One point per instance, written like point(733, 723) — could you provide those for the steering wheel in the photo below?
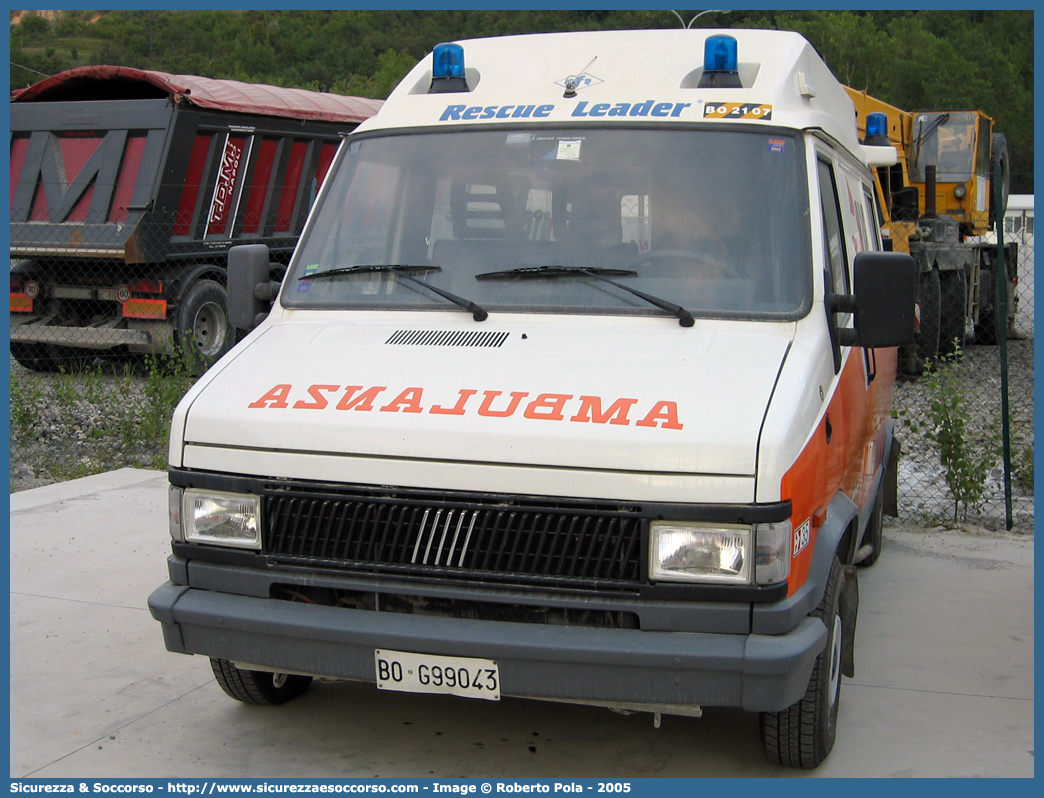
point(690, 255)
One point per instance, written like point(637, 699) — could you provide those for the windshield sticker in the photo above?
point(303, 285)
point(569, 151)
point(469, 402)
point(737, 111)
point(776, 145)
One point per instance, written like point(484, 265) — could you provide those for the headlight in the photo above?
point(959, 191)
point(221, 519)
point(684, 552)
point(719, 553)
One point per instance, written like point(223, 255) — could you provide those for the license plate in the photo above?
point(427, 673)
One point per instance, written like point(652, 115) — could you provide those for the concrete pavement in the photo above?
point(944, 683)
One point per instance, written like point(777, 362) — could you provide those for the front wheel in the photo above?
point(802, 735)
point(204, 331)
point(258, 687)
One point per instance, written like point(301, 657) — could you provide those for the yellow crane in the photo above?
point(939, 203)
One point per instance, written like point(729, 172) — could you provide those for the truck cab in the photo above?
point(577, 388)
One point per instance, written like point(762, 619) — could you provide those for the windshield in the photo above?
point(715, 221)
point(945, 140)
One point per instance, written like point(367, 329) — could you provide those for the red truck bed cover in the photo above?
point(224, 95)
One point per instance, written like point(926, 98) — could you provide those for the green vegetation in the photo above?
point(72, 425)
point(967, 453)
point(911, 59)
point(1024, 466)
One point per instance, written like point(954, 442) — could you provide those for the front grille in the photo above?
point(494, 540)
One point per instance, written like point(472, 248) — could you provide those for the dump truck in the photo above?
point(129, 186)
point(940, 203)
point(577, 388)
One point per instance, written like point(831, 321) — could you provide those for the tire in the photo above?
point(929, 299)
point(874, 533)
point(986, 331)
point(258, 687)
point(953, 304)
point(52, 359)
point(1001, 156)
point(70, 359)
point(802, 735)
point(204, 331)
point(32, 356)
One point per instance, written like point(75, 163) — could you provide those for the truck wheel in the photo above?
point(953, 303)
point(70, 359)
point(31, 356)
point(802, 735)
point(1003, 157)
point(874, 534)
point(258, 687)
point(988, 330)
point(204, 331)
point(929, 300)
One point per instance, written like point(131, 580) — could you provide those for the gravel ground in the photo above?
point(923, 493)
point(62, 428)
point(67, 427)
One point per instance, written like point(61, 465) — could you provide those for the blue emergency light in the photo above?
point(877, 129)
point(720, 63)
point(447, 69)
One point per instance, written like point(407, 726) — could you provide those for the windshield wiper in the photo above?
point(685, 318)
point(925, 133)
point(403, 271)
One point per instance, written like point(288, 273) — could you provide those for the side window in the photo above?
point(870, 219)
point(833, 232)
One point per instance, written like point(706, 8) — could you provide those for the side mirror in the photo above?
point(249, 289)
point(883, 305)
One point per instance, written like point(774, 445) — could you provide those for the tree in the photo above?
point(912, 59)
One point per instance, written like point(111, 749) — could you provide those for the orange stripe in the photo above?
point(856, 417)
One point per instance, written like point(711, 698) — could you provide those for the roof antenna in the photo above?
point(574, 80)
point(709, 11)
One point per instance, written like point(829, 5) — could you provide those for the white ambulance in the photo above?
point(577, 388)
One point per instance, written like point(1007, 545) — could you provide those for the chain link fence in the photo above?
point(111, 320)
point(98, 318)
point(88, 293)
point(950, 392)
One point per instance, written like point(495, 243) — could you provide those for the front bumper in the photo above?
point(612, 667)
